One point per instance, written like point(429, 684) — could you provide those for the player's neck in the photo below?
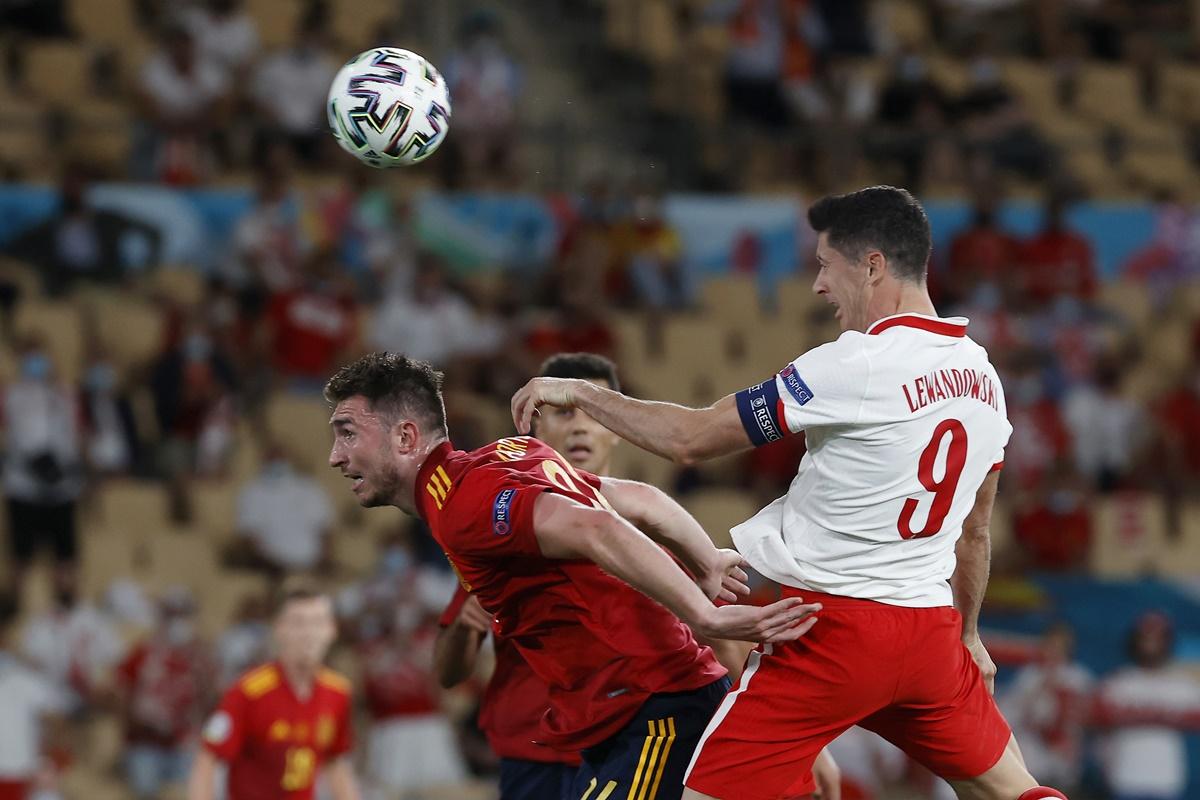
point(905, 298)
point(301, 677)
point(406, 499)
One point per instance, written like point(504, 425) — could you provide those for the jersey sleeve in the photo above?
point(825, 386)
point(225, 731)
point(492, 516)
point(450, 612)
point(997, 461)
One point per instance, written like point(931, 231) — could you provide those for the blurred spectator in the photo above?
point(1172, 256)
point(74, 644)
point(226, 36)
point(434, 323)
point(411, 745)
point(109, 427)
point(995, 124)
point(82, 243)
point(165, 684)
point(29, 704)
point(1056, 532)
point(761, 34)
point(1047, 706)
point(283, 518)
point(982, 252)
point(268, 244)
point(1177, 437)
point(578, 325)
point(35, 17)
point(1108, 430)
point(314, 326)
point(290, 88)
point(653, 255)
point(1057, 261)
point(1147, 706)
point(43, 467)
point(1040, 438)
point(372, 232)
point(911, 115)
point(485, 84)
point(192, 383)
point(246, 641)
point(869, 763)
point(183, 99)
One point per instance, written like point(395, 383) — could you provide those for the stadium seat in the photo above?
point(214, 504)
point(1109, 93)
point(1181, 91)
point(180, 557)
point(220, 597)
point(732, 299)
point(1128, 300)
point(1181, 557)
point(58, 325)
point(276, 21)
point(718, 510)
point(131, 505)
point(180, 283)
point(1129, 535)
point(301, 422)
point(59, 71)
point(130, 330)
point(106, 554)
point(108, 22)
point(355, 550)
point(637, 464)
point(1032, 81)
point(355, 22)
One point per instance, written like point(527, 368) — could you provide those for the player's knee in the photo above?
point(1042, 793)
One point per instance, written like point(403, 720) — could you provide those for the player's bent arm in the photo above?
point(684, 435)
point(569, 530)
point(455, 652)
point(662, 519)
point(202, 782)
point(342, 784)
point(974, 554)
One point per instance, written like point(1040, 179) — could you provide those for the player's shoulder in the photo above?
point(334, 681)
point(259, 681)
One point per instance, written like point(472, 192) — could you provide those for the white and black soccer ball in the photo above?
point(389, 107)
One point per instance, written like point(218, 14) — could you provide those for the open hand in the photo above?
point(538, 392)
point(782, 621)
point(726, 577)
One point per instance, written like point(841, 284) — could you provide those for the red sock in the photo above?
point(1042, 793)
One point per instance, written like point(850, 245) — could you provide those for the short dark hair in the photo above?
point(293, 592)
point(588, 366)
point(888, 219)
point(394, 385)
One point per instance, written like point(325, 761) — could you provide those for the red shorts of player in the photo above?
point(14, 790)
point(900, 672)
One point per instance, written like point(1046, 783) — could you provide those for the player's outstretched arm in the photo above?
point(969, 582)
point(202, 782)
point(655, 513)
point(684, 435)
point(567, 529)
point(456, 648)
point(342, 784)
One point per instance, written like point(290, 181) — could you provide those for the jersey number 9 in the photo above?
point(943, 490)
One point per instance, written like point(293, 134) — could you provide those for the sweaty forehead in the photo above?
point(354, 411)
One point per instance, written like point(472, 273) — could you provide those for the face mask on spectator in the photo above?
point(277, 468)
point(101, 377)
point(35, 367)
point(180, 631)
point(197, 347)
point(395, 560)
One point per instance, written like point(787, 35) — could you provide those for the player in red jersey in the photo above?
point(553, 560)
point(283, 721)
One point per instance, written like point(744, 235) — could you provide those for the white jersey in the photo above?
point(903, 423)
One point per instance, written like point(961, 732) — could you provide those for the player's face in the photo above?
point(304, 631)
point(586, 443)
point(843, 284)
point(363, 451)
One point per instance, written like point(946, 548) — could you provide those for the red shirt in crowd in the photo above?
point(510, 714)
point(1058, 262)
point(1179, 414)
point(601, 647)
point(1055, 541)
point(165, 687)
point(310, 330)
point(984, 253)
point(398, 676)
point(273, 740)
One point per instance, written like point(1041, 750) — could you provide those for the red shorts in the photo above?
point(14, 790)
point(900, 672)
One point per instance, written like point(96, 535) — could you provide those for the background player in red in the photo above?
point(553, 559)
point(284, 721)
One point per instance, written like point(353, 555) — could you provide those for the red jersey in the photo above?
point(273, 741)
point(310, 329)
point(601, 646)
point(397, 676)
point(1058, 263)
point(166, 687)
point(514, 702)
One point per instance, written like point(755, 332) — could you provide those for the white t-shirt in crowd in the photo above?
point(81, 644)
point(25, 697)
point(178, 95)
point(294, 87)
point(287, 515)
point(228, 42)
point(902, 425)
point(435, 332)
point(1148, 760)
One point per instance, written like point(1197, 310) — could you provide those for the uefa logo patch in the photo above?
point(795, 385)
point(501, 510)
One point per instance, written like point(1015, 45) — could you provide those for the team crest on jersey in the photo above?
point(501, 511)
point(795, 385)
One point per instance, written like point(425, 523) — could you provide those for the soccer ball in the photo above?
point(389, 107)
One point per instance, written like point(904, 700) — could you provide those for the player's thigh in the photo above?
point(944, 717)
point(534, 780)
point(1007, 779)
point(790, 702)
point(647, 759)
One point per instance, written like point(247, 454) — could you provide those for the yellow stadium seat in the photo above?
point(181, 284)
point(718, 510)
point(130, 330)
point(23, 276)
point(637, 464)
point(355, 22)
point(1181, 557)
point(1129, 535)
point(109, 22)
point(1109, 92)
point(1128, 299)
point(732, 299)
point(220, 596)
point(133, 506)
point(106, 554)
point(180, 557)
point(57, 324)
point(1181, 91)
point(301, 423)
point(276, 21)
point(355, 550)
point(1032, 81)
point(214, 505)
point(59, 71)
point(658, 37)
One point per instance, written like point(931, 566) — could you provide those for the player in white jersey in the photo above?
point(885, 524)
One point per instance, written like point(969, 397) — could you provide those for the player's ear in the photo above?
point(877, 267)
point(405, 435)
